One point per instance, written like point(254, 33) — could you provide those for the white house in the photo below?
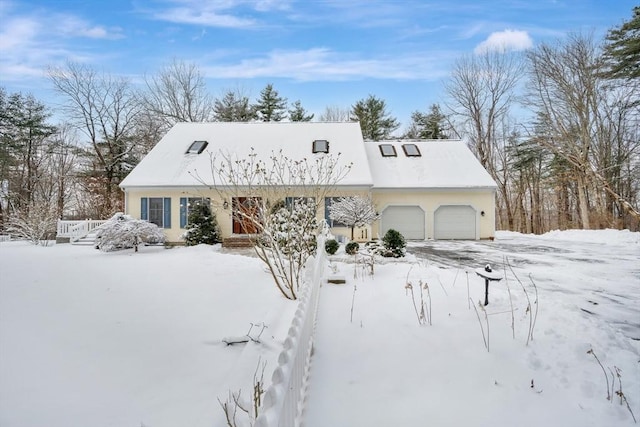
point(424, 189)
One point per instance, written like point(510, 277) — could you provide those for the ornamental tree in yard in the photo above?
point(124, 232)
point(281, 199)
point(354, 211)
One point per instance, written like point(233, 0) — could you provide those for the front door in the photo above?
point(245, 214)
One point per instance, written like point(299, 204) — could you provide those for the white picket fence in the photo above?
point(284, 398)
point(76, 230)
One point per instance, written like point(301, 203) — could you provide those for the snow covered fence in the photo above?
point(283, 401)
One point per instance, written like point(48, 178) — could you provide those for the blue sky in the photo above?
point(322, 52)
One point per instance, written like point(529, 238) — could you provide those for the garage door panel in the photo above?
point(408, 220)
point(455, 222)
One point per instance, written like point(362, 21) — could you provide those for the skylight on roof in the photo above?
point(320, 146)
point(411, 150)
point(388, 150)
point(197, 147)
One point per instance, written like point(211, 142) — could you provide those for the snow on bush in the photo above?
point(331, 246)
point(394, 244)
point(294, 228)
point(202, 226)
point(124, 232)
point(37, 225)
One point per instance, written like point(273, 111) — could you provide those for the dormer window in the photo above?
point(411, 150)
point(387, 150)
point(197, 147)
point(320, 146)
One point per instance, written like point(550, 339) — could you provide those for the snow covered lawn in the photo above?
point(122, 339)
point(384, 369)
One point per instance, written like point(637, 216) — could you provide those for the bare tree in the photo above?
point(283, 234)
point(334, 113)
point(62, 166)
point(481, 92)
point(565, 85)
point(177, 93)
point(104, 109)
point(355, 211)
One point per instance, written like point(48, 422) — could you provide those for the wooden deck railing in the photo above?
point(76, 230)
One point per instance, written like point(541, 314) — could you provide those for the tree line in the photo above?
point(575, 164)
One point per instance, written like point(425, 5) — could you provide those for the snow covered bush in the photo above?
point(352, 248)
point(37, 225)
point(124, 232)
point(394, 244)
point(295, 228)
point(331, 246)
point(202, 226)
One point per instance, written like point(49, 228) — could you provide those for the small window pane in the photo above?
point(388, 150)
point(320, 146)
point(411, 150)
point(197, 147)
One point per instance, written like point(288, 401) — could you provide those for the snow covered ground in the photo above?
point(123, 339)
point(384, 369)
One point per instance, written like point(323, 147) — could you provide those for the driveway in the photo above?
point(583, 270)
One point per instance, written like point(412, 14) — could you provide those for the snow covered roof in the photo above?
point(435, 164)
point(173, 161)
point(183, 154)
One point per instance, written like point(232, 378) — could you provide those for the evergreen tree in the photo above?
point(202, 226)
point(375, 122)
point(271, 107)
point(23, 136)
point(622, 49)
point(431, 125)
point(297, 113)
point(233, 107)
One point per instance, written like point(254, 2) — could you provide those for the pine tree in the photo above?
point(271, 107)
point(233, 107)
point(375, 122)
point(202, 226)
point(431, 125)
point(297, 113)
point(622, 49)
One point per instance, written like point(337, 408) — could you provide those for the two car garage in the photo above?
point(449, 222)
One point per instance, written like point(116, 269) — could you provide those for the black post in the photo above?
point(486, 291)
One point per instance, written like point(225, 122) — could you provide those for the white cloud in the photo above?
point(31, 41)
point(504, 41)
point(322, 64)
point(206, 16)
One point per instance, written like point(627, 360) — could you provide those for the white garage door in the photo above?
point(408, 220)
point(455, 222)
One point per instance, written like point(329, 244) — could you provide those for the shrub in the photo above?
point(202, 226)
point(352, 248)
point(331, 246)
point(394, 244)
point(124, 232)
